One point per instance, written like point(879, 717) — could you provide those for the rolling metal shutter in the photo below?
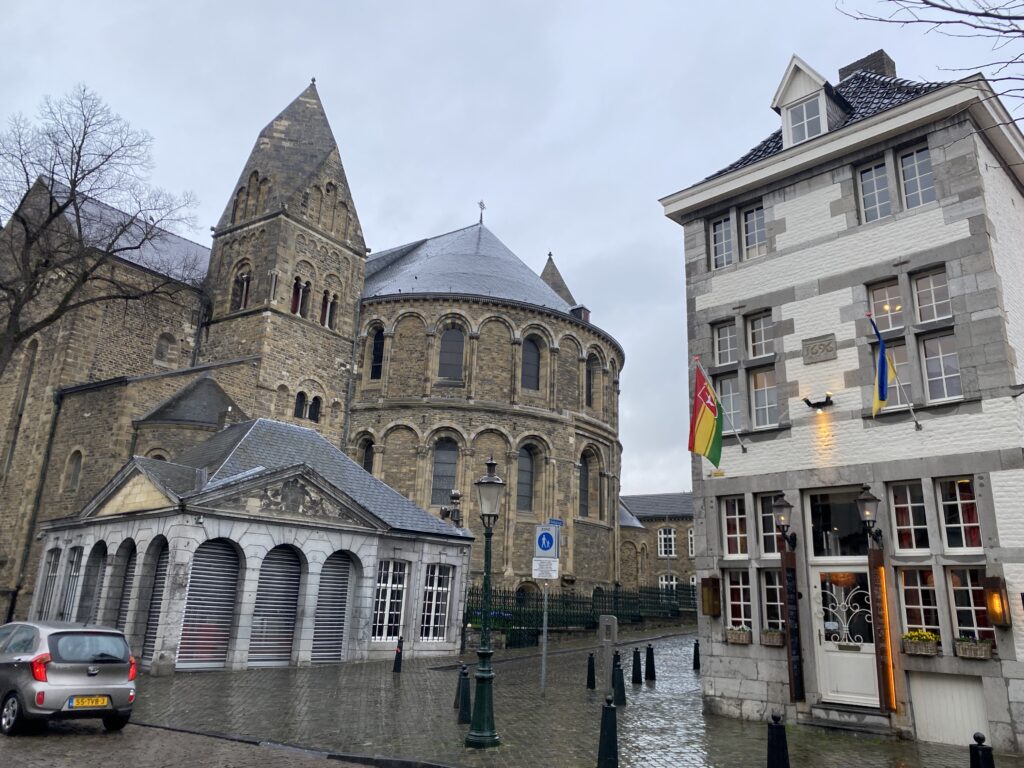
point(273, 614)
point(329, 629)
point(156, 600)
point(209, 607)
point(126, 591)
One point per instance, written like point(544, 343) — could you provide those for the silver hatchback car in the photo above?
point(58, 670)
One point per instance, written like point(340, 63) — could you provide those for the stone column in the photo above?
point(305, 620)
point(238, 651)
point(427, 374)
point(553, 378)
point(172, 609)
point(474, 348)
point(512, 470)
point(378, 460)
point(581, 383)
point(389, 337)
point(424, 475)
point(517, 382)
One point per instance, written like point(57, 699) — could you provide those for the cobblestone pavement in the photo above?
point(362, 709)
point(84, 744)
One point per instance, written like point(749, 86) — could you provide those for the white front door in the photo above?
point(843, 635)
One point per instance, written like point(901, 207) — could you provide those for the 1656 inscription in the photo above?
point(819, 349)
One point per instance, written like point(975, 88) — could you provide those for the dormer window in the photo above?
point(805, 120)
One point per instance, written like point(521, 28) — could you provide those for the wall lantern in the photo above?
point(867, 507)
point(997, 603)
point(711, 596)
point(819, 405)
point(782, 511)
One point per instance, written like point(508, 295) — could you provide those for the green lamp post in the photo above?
point(481, 734)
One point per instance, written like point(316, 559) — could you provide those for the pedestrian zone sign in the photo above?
point(546, 541)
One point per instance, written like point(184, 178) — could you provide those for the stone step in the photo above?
point(848, 718)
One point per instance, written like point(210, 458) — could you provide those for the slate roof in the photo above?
point(660, 505)
point(176, 478)
point(627, 519)
point(867, 93)
point(469, 261)
point(201, 402)
point(267, 444)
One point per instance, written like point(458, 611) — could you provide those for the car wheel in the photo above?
point(11, 717)
point(116, 722)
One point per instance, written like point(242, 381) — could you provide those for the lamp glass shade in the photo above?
point(997, 602)
point(489, 489)
point(782, 511)
point(867, 506)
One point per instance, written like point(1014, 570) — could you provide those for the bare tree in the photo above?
point(83, 223)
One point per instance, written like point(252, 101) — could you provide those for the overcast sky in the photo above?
point(570, 119)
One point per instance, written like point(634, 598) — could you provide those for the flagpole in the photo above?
point(910, 405)
point(711, 384)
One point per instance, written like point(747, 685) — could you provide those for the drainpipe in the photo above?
point(58, 401)
point(351, 377)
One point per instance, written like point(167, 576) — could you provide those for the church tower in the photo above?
point(286, 271)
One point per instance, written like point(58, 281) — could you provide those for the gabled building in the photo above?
point(665, 556)
point(903, 200)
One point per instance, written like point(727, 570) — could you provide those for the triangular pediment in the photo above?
point(137, 494)
point(799, 82)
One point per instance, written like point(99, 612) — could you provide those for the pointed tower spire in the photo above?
point(553, 278)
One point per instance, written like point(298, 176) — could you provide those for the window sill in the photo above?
point(454, 383)
point(718, 370)
point(761, 361)
point(745, 433)
point(934, 326)
point(902, 413)
point(668, 557)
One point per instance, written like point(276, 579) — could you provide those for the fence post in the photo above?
point(649, 673)
point(465, 707)
point(696, 655)
point(608, 746)
point(591, 673)
point(619, 685)
point(638, 678)
point(981, 754)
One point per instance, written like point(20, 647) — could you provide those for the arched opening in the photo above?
point(314, 409)
point(73, 471)
point(332, 609)
point(377, 354)
point(296, 295)
point(92, 584)
point(584, 507)
point(366, 455)
point(332, 313)
point(156, 577)
point(164, 348)
point(300, 406)
point(71, 578)
point(325, 308)
point(530, 377)
point(593, 376)
point(275, 608)
point(240, 288)
point(525, 479)
point(48, 584)
point(450, 359)
point(209, 617)
point(307, 289)
point(446, 460)
point(125, 565)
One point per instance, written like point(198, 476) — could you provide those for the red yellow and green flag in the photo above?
point(706, 419)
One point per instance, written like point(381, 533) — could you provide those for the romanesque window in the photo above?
point(388, 600)
point(164, 348)
point(240, 288)
point(446, 459)
point(300, 297)
point(585, 486)
point(314, 409)
point(73, 471)
point(325, 308)
point(367, 457)
point(377, 354)
point(450, 360)
point(300, 406)
point(593, 375)
point(525, 479)
point(436, 597)
point(238, 210)
point(531, 364)
point(332, 313)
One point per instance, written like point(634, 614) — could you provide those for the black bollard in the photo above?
point(696, 655)
point(591, 675)
point(465, 709)
point(458, 687)
point(616, 660)
point(638, 678)
point(608, 746)
point(397, 667)
point(619, 686)
point(649, 667)
point(778, 748)
point(981, 755)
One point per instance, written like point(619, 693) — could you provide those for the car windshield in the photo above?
point(88, 648)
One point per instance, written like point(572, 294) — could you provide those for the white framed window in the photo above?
point(759, 335)
point(967, 595)
point(887, 306)
point(721, 243)
point(920, 604)
point(763, 398)
point(755, 237)
point(668, 581)
point(773, 599)
point(910, 523)
point(693, 580)
point(388, 600)
point(959, 509)
point(875, 202)
point(918, 181)
point(897, 352)
point(726, 348)
point(728, 388)
point(766, 525)
point(437, 589)
point(734, 526)
point(941, 368)
point(666, 542)
point(805, 120)
point(737, 593)
point(931, 292)
point(689, 543)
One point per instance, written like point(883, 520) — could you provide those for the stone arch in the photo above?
point(282, 402)
point(152, 582)
point(406, 380)
point(589, 500)
point(166, 348)
point(497, 319)
point(264, 193)
point(361, 448)
point(629, 565)
point(494, 361)
point(407, 313)
point(240, 285)
point(527, 587)
point(72, 475)
point(401, 444)
point(252, 194)
point(316, 204)
point(593, 382)
point(569, 352)
point(538, 329)
point(238, 207)
point(451, 351)
point(157, 454)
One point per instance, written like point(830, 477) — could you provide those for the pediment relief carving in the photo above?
point(293, 497)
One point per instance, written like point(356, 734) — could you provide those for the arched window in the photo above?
point(73, 471)
point(332, 313)
point(240, 289)
point(525, 478)
point(307, 289)
point(450, 364)
point(531, 364)
point(158, 457)
point(238, 211)
point(446, 459)
point(325, 308)
point(314, 409)
point(585, 486)
point(377, 354)
point(296, 295)
point(300, 405)
point(164, 348)
point(593, 366)
point(367, 458)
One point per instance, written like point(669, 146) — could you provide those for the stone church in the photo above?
point(418, 363)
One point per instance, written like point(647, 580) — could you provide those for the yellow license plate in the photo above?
point(83, 702)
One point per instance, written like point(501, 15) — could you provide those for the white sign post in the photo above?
point(545, 567)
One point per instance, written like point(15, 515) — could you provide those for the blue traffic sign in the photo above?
point(545, 541)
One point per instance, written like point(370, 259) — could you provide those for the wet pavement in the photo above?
point(365, 710)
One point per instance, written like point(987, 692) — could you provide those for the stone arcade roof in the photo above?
point(470, 261)
point(262, 444)
point(867, 93)
point(660, 506)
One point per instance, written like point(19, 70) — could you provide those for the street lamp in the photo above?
point(453, 511)
point(489, 489)
point(781, 511)
point(867, 507)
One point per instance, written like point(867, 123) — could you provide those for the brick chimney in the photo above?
point(877, 62)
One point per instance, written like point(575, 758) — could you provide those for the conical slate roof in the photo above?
point(553, 278)
point(470, 261)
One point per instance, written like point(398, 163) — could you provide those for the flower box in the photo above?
point(775, 638)
point(738, 636)
point(969, 649)
point(920, 647)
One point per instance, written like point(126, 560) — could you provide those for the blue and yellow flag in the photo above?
point(884, 372)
